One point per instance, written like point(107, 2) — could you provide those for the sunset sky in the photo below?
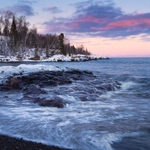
point(113, 28)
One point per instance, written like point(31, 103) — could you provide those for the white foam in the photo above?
point(68, 98)
point(65, 123)
point(108, 139)
point(61, 127)
point(126, 85)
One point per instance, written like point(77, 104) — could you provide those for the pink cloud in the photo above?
point(73, 25)
point(128, 23)
point(86, 19)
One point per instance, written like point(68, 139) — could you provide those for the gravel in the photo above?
point(10, 143)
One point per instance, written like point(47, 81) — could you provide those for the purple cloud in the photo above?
point(52, 9)
point(101, 19)
point(22, 7)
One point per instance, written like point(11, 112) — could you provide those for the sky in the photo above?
point(112, 28)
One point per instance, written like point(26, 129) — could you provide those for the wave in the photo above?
point(71, 108)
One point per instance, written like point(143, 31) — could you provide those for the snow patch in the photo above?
point(6, 71)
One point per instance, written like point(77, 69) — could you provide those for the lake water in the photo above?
point(117, 119)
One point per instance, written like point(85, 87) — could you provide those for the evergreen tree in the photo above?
point(47, 51)
point(13, 34)
point(61, 44)
point(6, 30)
point(74, 49)
point(1, 24)
point(36, 56)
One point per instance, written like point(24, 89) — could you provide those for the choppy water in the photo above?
point(118, 119)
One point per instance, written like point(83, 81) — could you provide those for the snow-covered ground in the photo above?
point(78, 57)
point(55, 58)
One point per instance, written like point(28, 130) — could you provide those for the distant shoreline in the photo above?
point(46, 61)
point(56, 58)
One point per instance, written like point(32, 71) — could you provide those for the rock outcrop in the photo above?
point(36, 86)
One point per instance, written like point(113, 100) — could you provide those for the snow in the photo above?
point(54, 58)
point(6, 71)
point(78, 57)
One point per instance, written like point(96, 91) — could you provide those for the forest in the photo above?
point(18, 39)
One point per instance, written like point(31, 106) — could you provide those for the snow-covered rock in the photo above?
point(79, 57)
point(54, 58)
point(6, 71)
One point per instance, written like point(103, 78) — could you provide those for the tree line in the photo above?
point(17, 39)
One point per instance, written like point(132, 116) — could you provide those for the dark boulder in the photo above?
point(53, 102)
point(85, 99)
point(5, 88)
point(33, 89)
point(74, 71)
point(13, 82)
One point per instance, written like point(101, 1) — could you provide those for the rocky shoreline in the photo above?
point(44, 87)
point(10, 143)
point(54, 83)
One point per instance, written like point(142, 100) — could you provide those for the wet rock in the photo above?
point(5, 97)
point(109, 87)
point(33, 89)
point(50, 83)
point(54, 102)
point(88, 72)
point(80, 84)
point(14, 82)
point(16, 74)
point(5, 88)
point(64, 81)
point(43, 77)
point(74, 71)
point(85, 99)
point(101, 88)
point(10, 143)
point(117, 87)
point(75, 77)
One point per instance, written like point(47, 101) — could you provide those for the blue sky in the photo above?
point(105, 27)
